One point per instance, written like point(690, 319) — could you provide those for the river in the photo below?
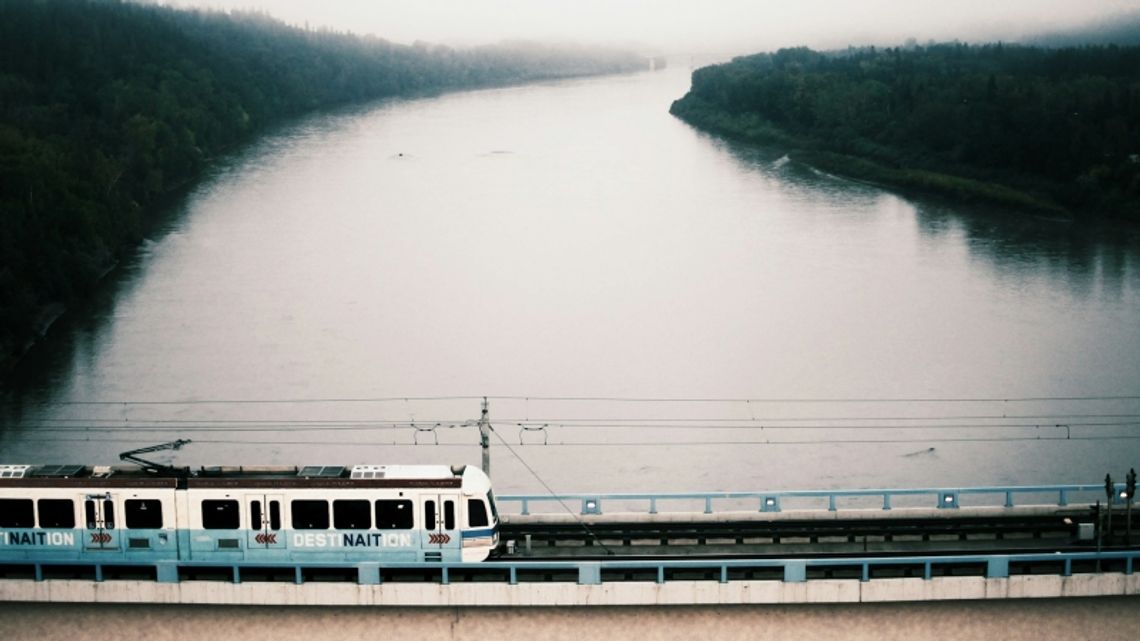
point(647, 307)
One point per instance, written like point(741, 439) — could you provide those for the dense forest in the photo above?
point(107, 107)
point(1053, 130)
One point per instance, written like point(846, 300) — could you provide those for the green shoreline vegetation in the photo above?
point(108, 109)
point(1051, 131)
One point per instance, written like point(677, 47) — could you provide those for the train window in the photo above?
point(275, 515)
point(477, 513)
point(394, 515)
point(108, 514)
point(17, 513)
point(59, 513)
point(144, 514)
point(255, 521)
point(491, 500)
point(352, 515)
point(449, 515)
point(220, 515)
point(310, 515)
point(429, 516)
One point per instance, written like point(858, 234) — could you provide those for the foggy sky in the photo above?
point(679, 26)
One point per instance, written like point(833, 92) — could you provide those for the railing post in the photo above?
point(1064, 498)
point(708, 505)
point(1009, 498)
point(368, 574)
point(866, 576)
point(590, 573)
point(237, 574)
point(444, 577)
point(98, 573)
point(926, 571)
point(795, 571)
point(831, 503)
point(886, 501)
point(525, 507)
point(298, 576)
point(653, 505)
point(514, 575)
point(39, 572)
point(661, 574)
point(997, 567)
point(166, 572)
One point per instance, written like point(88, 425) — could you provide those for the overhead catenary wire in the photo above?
point(550, 490)
point(902, 399)
point(367, 426)
point(255, 401)
point(595, 399)
point(657, 443)
point(1077, 426)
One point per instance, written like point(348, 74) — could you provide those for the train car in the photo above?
point(364, 513)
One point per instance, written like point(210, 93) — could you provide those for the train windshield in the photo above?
point(494, 509)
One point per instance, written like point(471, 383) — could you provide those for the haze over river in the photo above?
point(572, 240)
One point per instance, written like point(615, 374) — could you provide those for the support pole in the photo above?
point(1099, 533)
point(1129, 493)
point(1110, 490)
point(485, 438)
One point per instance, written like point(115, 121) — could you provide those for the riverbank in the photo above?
point(125, 105)
point(750, 129)
point(1052, 132)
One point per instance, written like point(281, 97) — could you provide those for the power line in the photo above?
point(551, 491)
point(540, 419)
point(628, 444)
point(758, 426)
point(632, 399)
point(178, 423)
point(79, 425)
point(594, 399)
point(259, 401)
point(755, 419)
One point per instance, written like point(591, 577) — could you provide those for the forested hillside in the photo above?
point(1047, 129)
point(107, 106)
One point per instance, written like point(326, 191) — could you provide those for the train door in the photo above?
point(264, 522)
point(100, 522)
point(440, 522)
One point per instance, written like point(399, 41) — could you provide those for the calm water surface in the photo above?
point(321, 293)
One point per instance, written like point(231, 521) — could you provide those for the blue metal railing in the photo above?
point(594, 572)
point(944, 498)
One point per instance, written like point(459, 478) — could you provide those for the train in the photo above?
point(236, 514)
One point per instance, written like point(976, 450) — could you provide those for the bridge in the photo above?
point(859, 546)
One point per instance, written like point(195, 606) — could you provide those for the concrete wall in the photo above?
point(1102, 619)
point(677, 593)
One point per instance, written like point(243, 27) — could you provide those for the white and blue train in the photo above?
point(365, 513)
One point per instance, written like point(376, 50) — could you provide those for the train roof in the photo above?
point(309, 476)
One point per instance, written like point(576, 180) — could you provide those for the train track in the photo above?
point(791, 538)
